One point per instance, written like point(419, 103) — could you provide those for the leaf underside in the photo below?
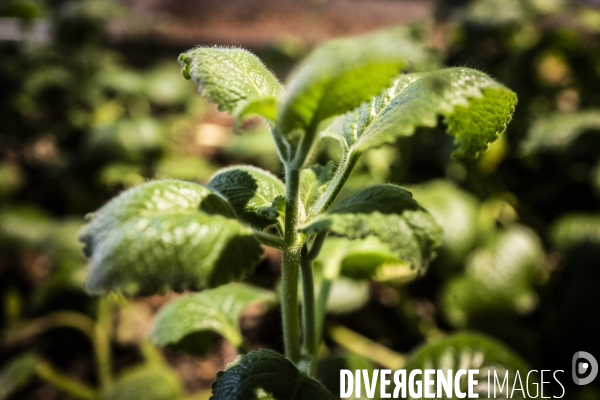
point(266, 374)
point(166, 235)
point(215, 310)
point(476, 110)
point(388, 213)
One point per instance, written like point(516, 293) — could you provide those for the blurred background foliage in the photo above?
point(92, 102)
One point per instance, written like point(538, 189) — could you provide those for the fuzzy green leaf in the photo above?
point(212, 311)
point(559, 131)
point(389, 213)
point(343, 73)
point(265, 374)
point(235, 79)
point(457, 212)
point(498, 277)
point(476, 110)
point(251, 192)
point(152, 382)
point(164, 235)
point(576, 229)
point(470, 351)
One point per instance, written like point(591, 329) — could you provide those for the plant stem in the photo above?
point(310, 340)
point(95, 332)
point(102, 343)
point(367, 348)
point(291, 264)
point(342, 173)
point(62, 382)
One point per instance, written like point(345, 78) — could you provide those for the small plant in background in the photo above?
point(173, 235)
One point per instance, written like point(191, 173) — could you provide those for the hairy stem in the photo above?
point(310, 339)
point(64, 383)
point(291, 265)
point(342, 173)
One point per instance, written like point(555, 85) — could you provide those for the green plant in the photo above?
point(174, 235)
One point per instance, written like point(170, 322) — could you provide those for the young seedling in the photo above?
point(173, 235)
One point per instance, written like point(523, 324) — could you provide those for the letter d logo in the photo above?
point(581, 368)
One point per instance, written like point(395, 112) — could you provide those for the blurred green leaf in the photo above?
point(164, 86)
point(456, 211)
point(266, 374)
point(188, 168)
point(470, 351)
point(251, 192)
point(559, 131)
point(215, 310)
point(496, 12)
point(498, 277)
point(165, 235)
point(24, 227)
point(11, 179)
point(148, 382)
point(341, 74)
point(575, 229)
point(389, 213)
point(16, 374)
point(476, 110)
point(127, 140)
point(255, 145)
point(235, 79)
point(347, 295)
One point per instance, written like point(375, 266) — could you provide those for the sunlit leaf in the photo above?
point(476, 110)
point(193, 318)
point(456, 211)
point(559, 131)
point(233, 78)
point(498, 277)
point(388, 213)
point(251, 192)
point(166, 235)
point(574, 229)
point(471, 351)
point(343, 73)
point(266, 374)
